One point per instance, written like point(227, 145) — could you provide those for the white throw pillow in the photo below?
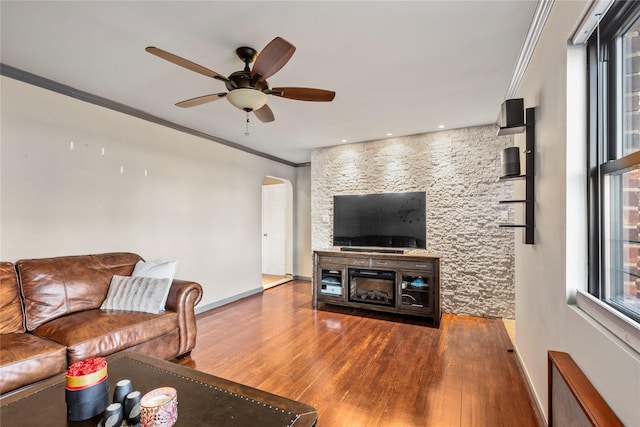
point(159, 271)
point(145, 294)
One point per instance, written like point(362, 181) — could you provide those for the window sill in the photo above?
point(622, 327)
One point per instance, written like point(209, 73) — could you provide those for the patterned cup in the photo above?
point(159, 408)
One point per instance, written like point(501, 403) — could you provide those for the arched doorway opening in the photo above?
point(277, 231)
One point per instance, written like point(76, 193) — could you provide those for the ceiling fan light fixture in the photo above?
point(247, 99)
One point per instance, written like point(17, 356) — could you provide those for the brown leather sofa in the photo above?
point(50, 316)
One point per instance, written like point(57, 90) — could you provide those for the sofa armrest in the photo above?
point(183, 297)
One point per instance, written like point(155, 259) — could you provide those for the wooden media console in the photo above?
point(403, 283)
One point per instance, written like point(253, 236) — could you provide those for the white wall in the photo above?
point(302, 200)
point(548, 272)
point(200, 202)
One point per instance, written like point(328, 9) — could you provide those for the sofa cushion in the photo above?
point(137, 294)
point(98, 332)
point(54, 287)
point(25, 359)
point(11, 314)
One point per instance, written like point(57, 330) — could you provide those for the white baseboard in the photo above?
point(216, 304)
point(532, 393)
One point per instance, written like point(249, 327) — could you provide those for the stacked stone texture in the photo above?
point(458, 170)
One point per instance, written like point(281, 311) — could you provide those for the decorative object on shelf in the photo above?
point(159, 408)
point(509, 117)
point(510, 161)
point(86, 389)
point(419, 283)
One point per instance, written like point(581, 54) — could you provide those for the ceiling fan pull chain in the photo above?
point(246, 133)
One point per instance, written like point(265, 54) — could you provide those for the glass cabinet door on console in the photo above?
point(331, 282)
point(415, 291)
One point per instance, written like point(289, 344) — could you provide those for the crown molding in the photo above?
point(538, 21)
point(33, 79)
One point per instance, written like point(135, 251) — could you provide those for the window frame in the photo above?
point(604, 130)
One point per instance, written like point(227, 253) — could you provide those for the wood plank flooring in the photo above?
point(359, 368)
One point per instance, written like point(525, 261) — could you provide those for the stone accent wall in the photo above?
point(459, 171)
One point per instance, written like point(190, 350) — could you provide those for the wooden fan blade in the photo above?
point(273, 57)
point(304, 94)
point(264, 114)
point(201, 100)
point(167, 56)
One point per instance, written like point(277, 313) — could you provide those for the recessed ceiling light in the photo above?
point(344, 140)
point(389, 134)
point(441, 127)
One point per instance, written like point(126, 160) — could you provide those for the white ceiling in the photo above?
point(398, 67)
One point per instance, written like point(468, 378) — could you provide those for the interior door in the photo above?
point(274, 236)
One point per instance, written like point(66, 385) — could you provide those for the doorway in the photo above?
point(277, 231)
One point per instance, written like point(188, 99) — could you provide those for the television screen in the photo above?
point(396, 220)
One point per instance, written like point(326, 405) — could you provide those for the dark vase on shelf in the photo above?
point(510, 160)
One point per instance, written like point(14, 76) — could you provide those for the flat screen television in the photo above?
point(387, 220)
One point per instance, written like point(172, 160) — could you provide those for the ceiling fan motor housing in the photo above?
point(242, 80)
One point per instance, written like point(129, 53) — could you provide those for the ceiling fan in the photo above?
point(248, 89)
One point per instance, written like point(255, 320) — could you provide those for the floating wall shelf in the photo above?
point(507, 178)
point(529, 200)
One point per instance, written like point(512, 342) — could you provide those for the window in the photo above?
point(614, 159)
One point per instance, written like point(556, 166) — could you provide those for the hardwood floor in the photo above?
point(360, 368)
